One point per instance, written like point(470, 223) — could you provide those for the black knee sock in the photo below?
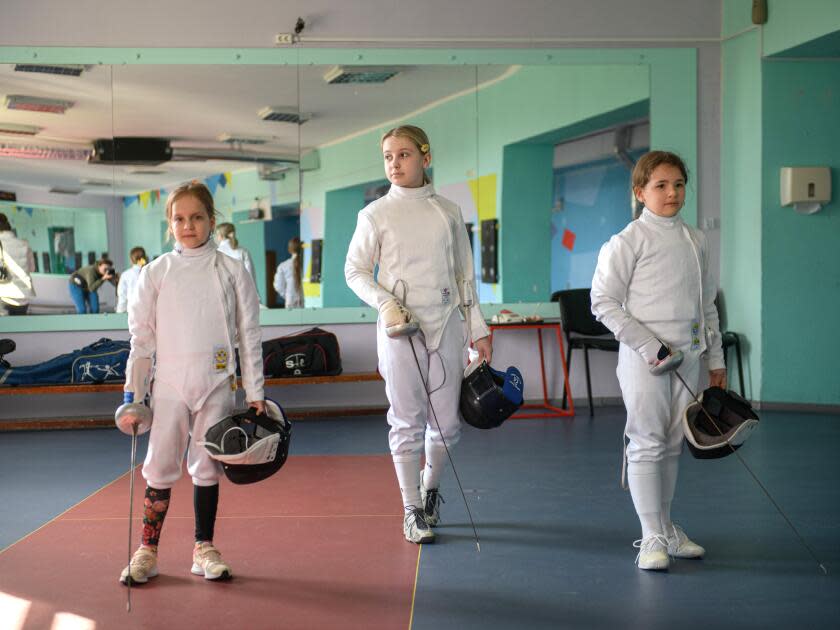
point(155, 506)
point(205, 501)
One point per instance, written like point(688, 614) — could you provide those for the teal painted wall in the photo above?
point(31, 222)
point(525, 222)
point(792, 22)
point(801, 261)
point(342, 209)
point(740, 214)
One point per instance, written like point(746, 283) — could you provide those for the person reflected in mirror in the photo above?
point(653, 289)
point(17, 263)
point(128, 278)
point(425, 278)
point(226, 238)
point(86, 281)
point(288, 278)
point(191, 305)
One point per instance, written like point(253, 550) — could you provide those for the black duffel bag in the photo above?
point(312, 352)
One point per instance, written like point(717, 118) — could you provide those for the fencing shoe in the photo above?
point(207, 561)
point(681, 546)
point(415, 527)
point(397, 319)
point(143, 566)
point(653, 553)
point(431, 499)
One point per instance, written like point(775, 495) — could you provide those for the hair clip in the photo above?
point(424, 148)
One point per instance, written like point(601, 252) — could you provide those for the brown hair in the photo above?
point(296, 247)
point(228, 231)
point(648, 163)
point(198, 191)
point(136, 254)
point(417, 136)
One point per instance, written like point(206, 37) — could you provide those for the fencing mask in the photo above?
point(489, 397)
point(250, 447)
point(729, 423)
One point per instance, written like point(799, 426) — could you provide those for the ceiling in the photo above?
point(192, 105)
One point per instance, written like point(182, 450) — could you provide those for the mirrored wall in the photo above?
point(88, 154)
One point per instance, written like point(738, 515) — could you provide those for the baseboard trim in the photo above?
point(798, 407)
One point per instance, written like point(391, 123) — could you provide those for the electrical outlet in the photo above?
point(282, 39)
point(711, 223)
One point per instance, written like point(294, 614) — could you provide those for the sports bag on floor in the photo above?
point(100, 362)
point(312, 352)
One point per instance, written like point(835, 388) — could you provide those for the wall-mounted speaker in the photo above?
point(78, 259)
point(91, 257)
point(45, 256)
point(315, 274)
point(759, 11)
point(489, 251)
point(35, 256)
point(142, 151)
point(469, 227)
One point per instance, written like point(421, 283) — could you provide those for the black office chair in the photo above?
point(582, 331)
point(729, 340)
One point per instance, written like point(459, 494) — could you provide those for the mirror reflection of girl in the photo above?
point(287, 278)
point(226, 238)
point(190, 306)
point(419, 241)
point(86, 281)
point(128, 278)
point(652, 287)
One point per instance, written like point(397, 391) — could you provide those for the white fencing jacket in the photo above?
point(653, 281)
point(190, 306)
point(126, 287)
point(19, 259)
point(284, 283)
point(419, 241)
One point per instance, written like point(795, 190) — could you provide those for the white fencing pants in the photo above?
point(174, 422)
point(655, 405)
point(410, 418)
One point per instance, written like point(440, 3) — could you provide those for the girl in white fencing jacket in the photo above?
point(419, 242)
point(191, 306)
point(652, 288)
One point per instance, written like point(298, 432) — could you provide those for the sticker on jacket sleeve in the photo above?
point(695, 335)
point(220, 358)
point(445, 296)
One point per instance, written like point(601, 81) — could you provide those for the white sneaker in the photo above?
point(653, 553)
point(431, 499)
point(143, 566)
point(415, 527)
point(207, 561)
point(681, 546)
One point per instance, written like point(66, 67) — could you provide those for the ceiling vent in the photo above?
point(279, 114)
point(272, 172)
point(234, 139)
point(65, 191)
point(37, 104)
point(359, 74)
point(42, 153)
point(146, 171)
point(19, 130)
point(64, 70)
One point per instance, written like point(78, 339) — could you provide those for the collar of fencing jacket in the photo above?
point(201, 250)
point(400, 192)
point(650, 217)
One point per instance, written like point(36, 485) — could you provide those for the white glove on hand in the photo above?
point(397, 319)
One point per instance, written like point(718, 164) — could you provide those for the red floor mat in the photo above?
point(318, 545)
